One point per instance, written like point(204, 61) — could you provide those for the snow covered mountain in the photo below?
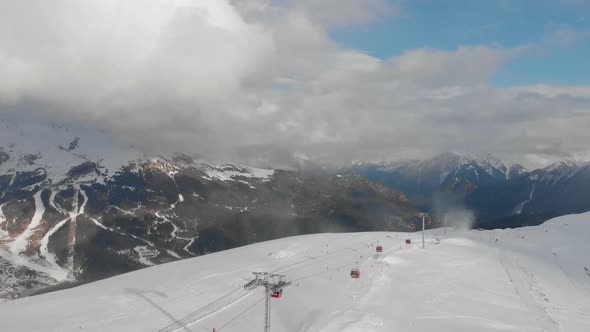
point(76, 207)
point(499, 197)
point(529, 279)
point(534, 196)
point(421, 179)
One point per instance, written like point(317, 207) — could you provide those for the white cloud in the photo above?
point(210, 76)
point(336, 13)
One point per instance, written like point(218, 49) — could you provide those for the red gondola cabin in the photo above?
point(408, 241)
point(278, 294)
point(355, 273)
point(379, 248)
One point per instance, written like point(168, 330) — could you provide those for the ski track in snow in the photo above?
point(81, 211)
point(145, 254)
point(99, 224)
point(73, 225)
point(3, 233)
point(527, 289)
point(173, 254)
point(50, 257)
point(190, 243)
point(175, 229)
point(21, 243)
point(12, 180)
point(44, 248)
point(52, 202)
point(19, 260)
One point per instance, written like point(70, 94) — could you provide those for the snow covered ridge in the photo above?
point(27, 146)
point(561, 188)
point(62, 166)
point(233, 172)
point(448, 160)
point(529, 279)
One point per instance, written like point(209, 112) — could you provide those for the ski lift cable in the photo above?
point(199, 310)
point(209, 306)
point(318, 260)
point(197, 315)
point(315, 259)
point(296, 263)
point(241, 313)
point(189, 318)
point(325, 271)
point(308, 259)
point(214, 302)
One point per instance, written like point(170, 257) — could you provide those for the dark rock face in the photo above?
point(3, 157)
point(155, 211)
point(83, 169)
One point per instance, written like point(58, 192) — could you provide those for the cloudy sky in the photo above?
point(337, 80)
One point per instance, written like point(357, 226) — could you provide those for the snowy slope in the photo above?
point(530, 279)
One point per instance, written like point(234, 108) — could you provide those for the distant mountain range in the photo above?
point(499, 196)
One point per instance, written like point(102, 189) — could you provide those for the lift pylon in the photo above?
point(273, 284)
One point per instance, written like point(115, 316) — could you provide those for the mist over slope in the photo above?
point(529, 279)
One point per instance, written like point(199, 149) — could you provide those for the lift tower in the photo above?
point(423, 216)
point(273, 286)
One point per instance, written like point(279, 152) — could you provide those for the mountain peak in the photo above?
point(488, 162)
point(516, 170)
point(562, 165)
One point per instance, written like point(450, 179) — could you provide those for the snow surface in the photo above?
point(21, 243)
point(49, 144)
point(49, 256)
point(3, 233)
point(528, 279)
point(232, 172)
point(521, 205)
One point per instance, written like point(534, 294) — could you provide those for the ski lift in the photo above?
point(412, 227)
point(408, 241)
point(429, 221)
point(355, 273)
point(379, 248)
point(277, 294)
